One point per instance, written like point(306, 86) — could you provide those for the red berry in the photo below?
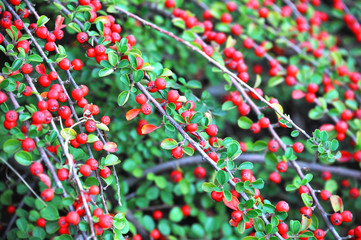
point(82, 138)
point(169, 3)
point(160, 83)
point(273, 145)
point(105, 172)
point(306, 211)
point(41, 222)
point(77, 64)
point(336, 219)
point(298, 147)
point(282, 166)
point(47, 194)
point(176, 176)
point(237, 216)
point(73, 218)
point(217, 196)
point(282, 206)
point(325, 195)
point(98, 145)
point(11, 116)
point(36, 168)
point(28, 145)
point(65, 64)
point(200, 172)
point(354, 193)
point(319, 234)
point(105, 221)
point(85, 170)
point(146, 108)
point(155, 234)
point(99, 50)
point(82, 37)
point(346, 216)
point(173, 96)
point(275, 177)
point(264, 122)
point(63, 174)
point(212, 130)
point(90, 126)
point(157, 215)
point(186, 210)
point(177, 152)
point(303, 189)
point(282, 228)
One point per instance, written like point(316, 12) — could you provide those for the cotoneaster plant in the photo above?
point(121, 146)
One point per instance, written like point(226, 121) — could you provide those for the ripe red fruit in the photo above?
point(42, 32)
point(65, 64)
point(282, 166)
point(273, 145)
point(3, 97)
point(237, 216)
point(336, 219)
point(312, 88)
point(177, 152)
point(303, 189)
point(176, 176)
point(141, 98)
point(282, 228)
point(77, 64)
point(255, 128)
point(298, 147)
point(319, 234)
point(99, 50)
point(82, 138)
point(173, 96)
point(64, 112)
point(217, 196)
point(212, 130)
point(263, 12)
point(325, 195)
point(169, 3)
point(90, 126)
point(292, 70)
point(85, 170)
point(186, 210)
point(28, 145)
point(82, 37)
point(98, 145)
point(11, 209)
point(146, 108)
point(160, 83)
point(226, 18)
point(73, 218)
point(282, 206)
point(105, 120)
point(326, 175)
point(200, 172)
point(62, 174)
point(341, 126)
point(155, 234)
point(306, 210)
point(354, 193)
point(105, 172)
point(157, 215)
point(41, 222)
point(346, 216)
point(36, 168)
point(105, 221)
point(237, 29)
point(259, 51)
point(275, 177)
point(47, 194)
point(27, 68)
point(11, 116)
point(264, 122)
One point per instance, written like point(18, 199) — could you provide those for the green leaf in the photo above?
point(176, 214)
point(138, 75)
point(307, 200)
point(316, 113)
point(110, 160)
point(74, 27)
point(274, 81)
point(188, 36)
point(113, 58)
point(184, 186)
point(295, 227)
point(90, 181)
point(24, 158)
point(49, 213)
point(222, 177)
point(258, 224)
point(209, 187)
point(11, 146)
point(178, 22)
point(68, 133)
point(92, 138)
point(270, 159)
point(259, 145)
point(226, 106)
point(123, 98)
point(119, 221)
point(244, 122)
point(233, 150)
point(168, 144)
point(105, 72)
point(295, 133)
point(42, 21)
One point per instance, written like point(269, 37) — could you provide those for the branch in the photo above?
point(254, 158)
